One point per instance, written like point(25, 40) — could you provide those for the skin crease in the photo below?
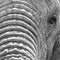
point(45, 7)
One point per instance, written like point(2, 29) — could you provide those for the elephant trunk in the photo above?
point(18, 30)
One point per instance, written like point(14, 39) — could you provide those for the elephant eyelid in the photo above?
point(53, 17)
point(52, 20)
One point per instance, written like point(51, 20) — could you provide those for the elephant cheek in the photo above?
point(18, 31)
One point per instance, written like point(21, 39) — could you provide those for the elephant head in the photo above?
point(29, 29)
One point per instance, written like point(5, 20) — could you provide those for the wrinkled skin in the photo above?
point(51, 28)
point(52, 31)
point(29, 29)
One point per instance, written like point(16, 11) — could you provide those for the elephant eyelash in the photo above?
point(52, 20)
point(53, 17)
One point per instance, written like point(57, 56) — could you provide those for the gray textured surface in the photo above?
point(25, 32)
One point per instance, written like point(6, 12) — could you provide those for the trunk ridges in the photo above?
point(18, 30)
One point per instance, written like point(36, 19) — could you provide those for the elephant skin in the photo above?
point(26, 32)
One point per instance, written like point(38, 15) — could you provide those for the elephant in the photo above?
point(29, 29)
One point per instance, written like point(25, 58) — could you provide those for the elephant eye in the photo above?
point(52, 20)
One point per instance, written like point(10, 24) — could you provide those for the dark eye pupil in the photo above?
point(52, 20)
